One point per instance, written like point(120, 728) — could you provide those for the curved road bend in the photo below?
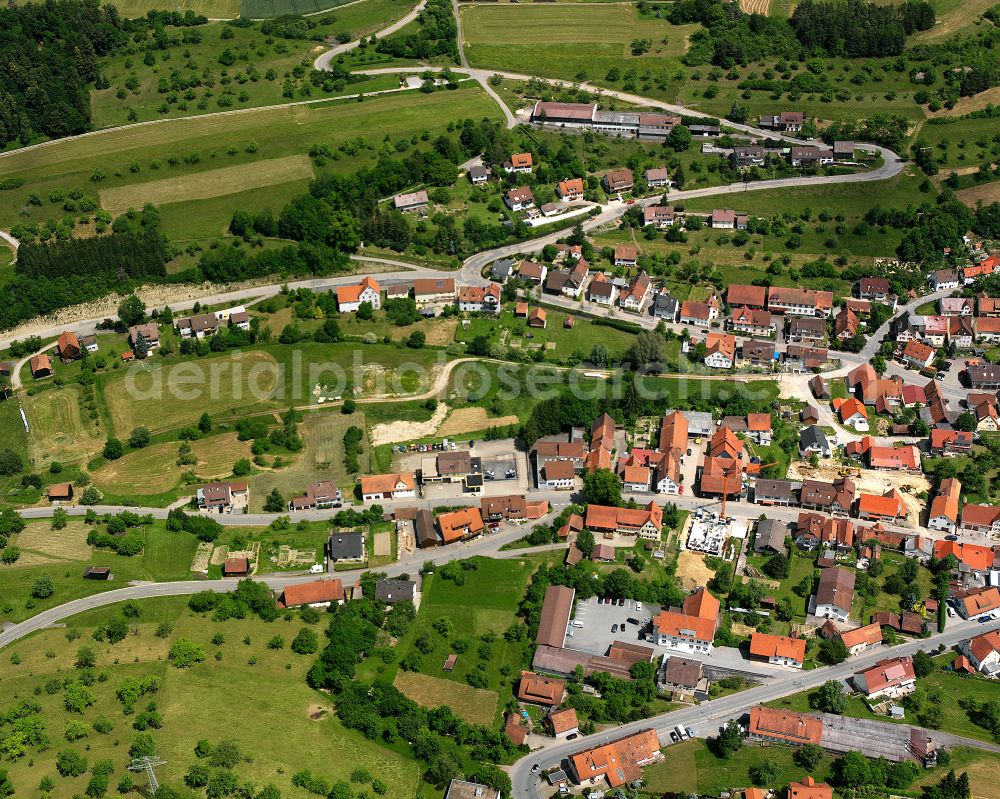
point(707, 717)
point(324, 60)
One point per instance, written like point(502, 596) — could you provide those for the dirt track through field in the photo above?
point(205, 185)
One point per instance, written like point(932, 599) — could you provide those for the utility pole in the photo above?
point(148, 765)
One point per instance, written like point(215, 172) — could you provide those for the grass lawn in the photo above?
point(691, 768)
point(63, 555)
point(557, 341)
point(837, 388)
point(486, 603)
point(851, 199)
point(208, 143)
point(264, 688)
point(171, 393)
point(964, 142)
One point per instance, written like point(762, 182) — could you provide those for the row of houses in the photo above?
point(839, 498)
point(943, 279)
point(424, 291)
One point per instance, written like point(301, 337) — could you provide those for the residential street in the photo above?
point(707, 717)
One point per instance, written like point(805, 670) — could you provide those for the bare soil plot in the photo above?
point(872, 482)
point(465, 420)
point(202, 557)
point(205, 185)
point(394, 432)
point(40, 543)
point(382, 545)
point(154, 470)
point(987, 192)
point(475, 705)
point(692, 570)
point(59, 432)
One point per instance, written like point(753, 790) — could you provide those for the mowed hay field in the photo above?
point(755, 6)
point(953, 16)
point(566, 23)
point(205, 185)
point(475, 705)
point(169, 396)
point(154, 469)
point(570, 41)
point(321, 459)
point(40, 544)
point(986, 193)
point(59, 432)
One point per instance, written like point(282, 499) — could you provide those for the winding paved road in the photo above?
point(323, 61)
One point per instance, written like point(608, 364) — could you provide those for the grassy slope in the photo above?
point(495, 38)
point(251, 48)
point(167, 556)
point(269, 699)
point(486, 602)
point(276, 131)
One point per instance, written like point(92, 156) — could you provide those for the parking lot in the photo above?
point(595, 635)
point(509, 468)
point(597, 619)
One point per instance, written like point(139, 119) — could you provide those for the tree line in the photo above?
point(49, 59)
point(857, 29)
point(852, 28)
point(48, 277)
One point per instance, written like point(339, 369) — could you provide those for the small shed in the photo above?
point(60, 492)
point(818, 388)
point(236, 567)
point(450, 661)
point(97, 573)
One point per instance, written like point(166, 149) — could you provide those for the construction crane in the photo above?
point(742, 468)
point(148, 764)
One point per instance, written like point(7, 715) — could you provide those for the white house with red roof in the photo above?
point(350, 298)
point(891, 678)
point(983, 652)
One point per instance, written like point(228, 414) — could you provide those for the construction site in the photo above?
point(869, 481)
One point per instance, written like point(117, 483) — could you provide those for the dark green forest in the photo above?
point(49, 60)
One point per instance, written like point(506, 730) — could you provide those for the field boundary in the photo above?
point(209, 184)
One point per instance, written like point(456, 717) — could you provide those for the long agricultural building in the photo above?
point(841, 734)
point(647, 127)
